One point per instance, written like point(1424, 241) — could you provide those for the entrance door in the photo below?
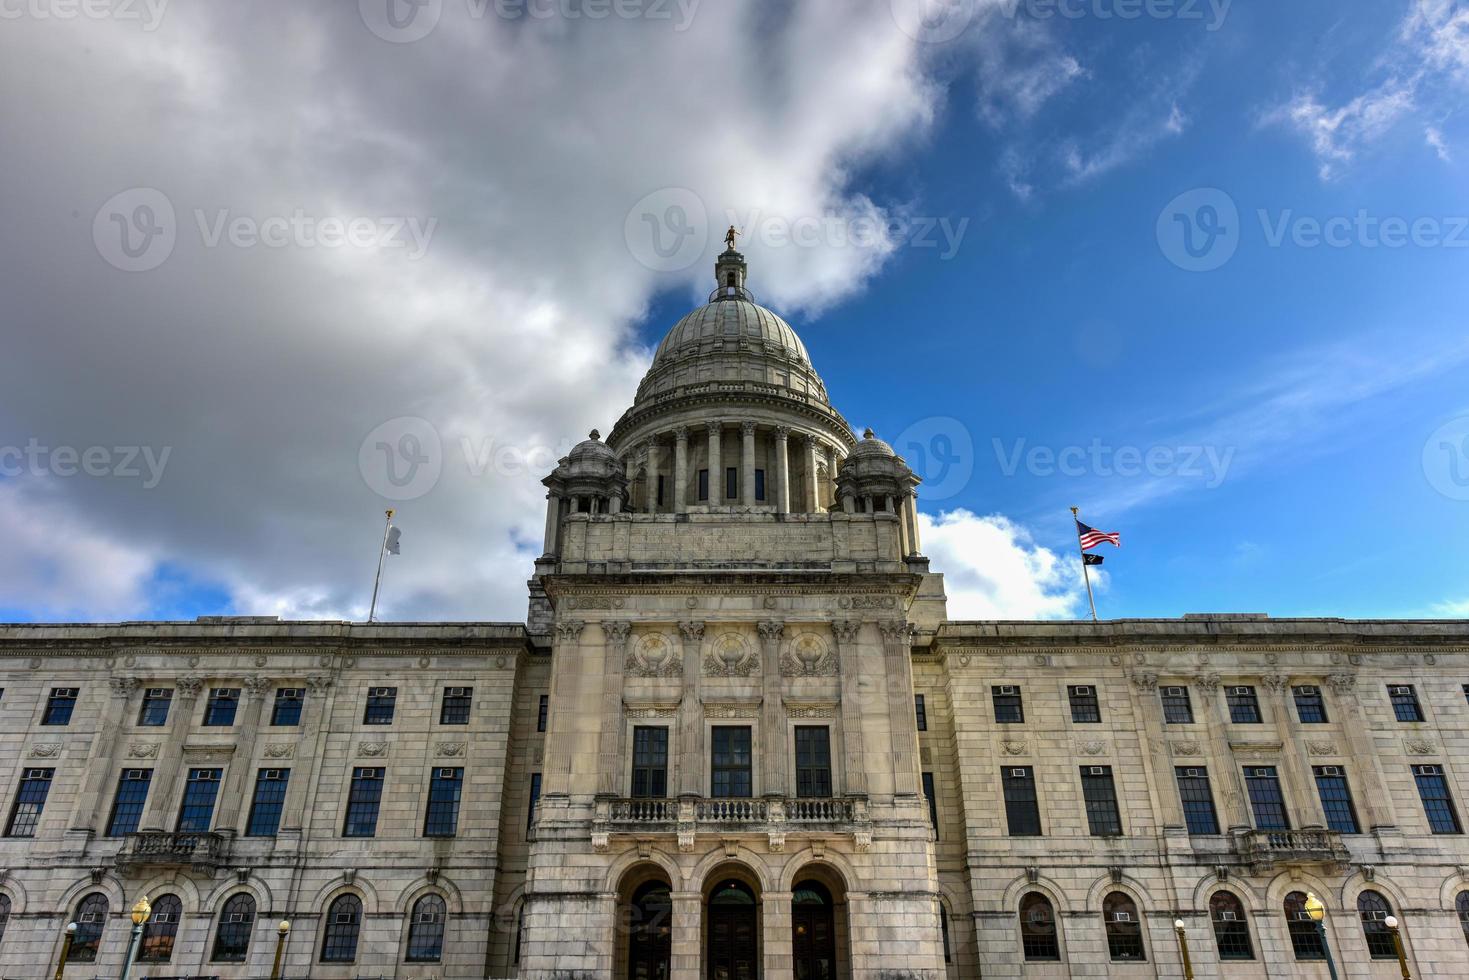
point(650, 939)
point(813, 932)
point(732, 952)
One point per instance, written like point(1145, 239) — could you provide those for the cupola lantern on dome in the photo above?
point(729, 272)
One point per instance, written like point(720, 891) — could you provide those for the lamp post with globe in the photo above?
point(1397, 944)
point(140, 914)
point(1317, 912)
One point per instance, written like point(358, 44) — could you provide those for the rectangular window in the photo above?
point(156, 702)
point(59, 706)
point(1085, 709)
point(1101, 801)
point(931, 794)
point(1405, 702)
point(1022, 812)
point(813, 761)
point(363, 801)
point(1244, 707)
point(455, 709)
point(921, 711)
point(542, 711)
point(1008, 709)
point(759, 484)
point(731, 483)
point(30, 800)
point(442, 817)
point(127, 805)
point(219, 712)
point(1336, 799)
point(1438, 803)
point(381, 703)
point(661, 481)
point(1177, 709)
point(197, 811)
point(1266, 800)
point(286, 713)
point(1197, 799)
point(649, 762)
point(270, 799)
point(731, 762)
point(1310, 706)
point(1466, 692)
point(535, 798)
point(703, 484)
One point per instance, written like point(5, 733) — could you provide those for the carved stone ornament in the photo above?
point(260, 660)
point(1145, 681)
point(654, 655)
point(123, 686)
point(693, 632)
point(771, 630)
point(257, 685)
point(731, 709)
point(601, 841)
point(318, 683)
point(372, 750)
point(846, 630)
point(896, 630)
point(450, 750)
point(811, 709)
point(569, 630)
point(1013, 746)
point(651, 710)
point(1419, 746)
point(280, 750)
point(1209, 682)
point(143, 750)
point(45, 750)
point(1275, 683)
point(1186, 748)
point(1343, 683)
point(1091, 747)
point(189, 687)
point(807, 655)
point(1321, 748)
point(873, 602)
point(731, 655)
point(615, 632)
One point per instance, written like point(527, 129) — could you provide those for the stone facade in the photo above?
point(737, 737)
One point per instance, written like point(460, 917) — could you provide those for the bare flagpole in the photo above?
point(1085, 574)
point(388, 526)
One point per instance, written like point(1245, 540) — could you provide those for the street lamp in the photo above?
point(1397, 944)
point(1317, 912)
point(141, 911)
point(281, 931)
point(71, 932)
point(1188, 967)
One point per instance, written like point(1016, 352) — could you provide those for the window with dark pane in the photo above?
point(1438, 802)
point(535, 799)
point(156, 702)
point(268, 803)
point(1177, 708)
point(1231, 928)
point(731, 483)
point(59, 706)
point(161, 929)
point(1405, 702)
point(455, 709)
point(813, 761)
point(930, 793)
point(363, 800)
point(381, 703)
point(1336, 799)
point(286, 711)
point(920, 711)
point(91, 919)
point(426, 930)
point(542, 711)
point(1038, 929)
point(343, 924)
point(127, 804)
point(1124, 928)
point(1197, 798)
point(649, 761)
point(1022, 811)
point(1266, 800)
point(1085, 709)
point(1100, 795)
point(1374, 910)
point(196, 812)
point(442, 817)
point(4, 915)
point(759, 484)
point(1461, 903)
point(944, 931)
point(30, 800)
point(219, 711)
point(1008, 709)
point(1310, 706)
point(1244, 706)
point(662, 480)
point(1305, 939)
point(232, 935)
point(730, 770)
point(703, 484)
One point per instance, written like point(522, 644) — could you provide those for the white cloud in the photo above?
point(1433, 136)
point(1452, 609)
point(993, 569)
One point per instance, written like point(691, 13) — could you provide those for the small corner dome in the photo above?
point(872, 446)
point(591, 449)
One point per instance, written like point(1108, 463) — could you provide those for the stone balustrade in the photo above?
point(1263, 849)
point(689, 817)
point(165, 848)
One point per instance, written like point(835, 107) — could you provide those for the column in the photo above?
point(910, 512)
point(897, 652)
point(691, 714)
point(310, 749)
point(775, 911)
point(782, 471)
point(854, 768)
point(716, 463)
point(680, 470)
point(102, 762)
point(1305, 799)
point(829, 490)
point(553, 522)
point(566, 682)
point(772, 712)
point(651, 487)
point(1375, 800)
point(170, 757)
point(232, 793)
point(813, 504)
point(688, 939)
point(1227, 777)
point(609, 779)
point(747, 464)
point(1156, 758)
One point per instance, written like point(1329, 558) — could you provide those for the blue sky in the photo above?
point(1102, 238)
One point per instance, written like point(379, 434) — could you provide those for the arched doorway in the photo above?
point(650, 932)
point(732, 939)
point(813, 932)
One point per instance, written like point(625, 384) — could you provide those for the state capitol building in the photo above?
point(737, 738)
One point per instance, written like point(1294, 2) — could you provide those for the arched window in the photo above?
point(944, 930)
point(1462, 904)
point(1305, 941)
point(1038, 928)
point(343, 924)
point(90, 920)
point(161, 929)
point(1124, 930)
point(4, 914)
point(232, 934)
point(1231, 928)
point(426, 931)
point(1374, 909)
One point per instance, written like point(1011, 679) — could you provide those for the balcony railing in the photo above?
point(205, 851)
point(1263, 848)
point(771, 817)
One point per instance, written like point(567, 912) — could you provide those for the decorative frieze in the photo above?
point(807, 655)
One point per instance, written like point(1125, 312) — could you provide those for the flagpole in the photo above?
point(388, 526)
point(1085, 574)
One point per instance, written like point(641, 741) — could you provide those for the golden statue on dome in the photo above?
point(729, 238)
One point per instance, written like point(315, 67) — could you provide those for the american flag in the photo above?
point(1091, 537)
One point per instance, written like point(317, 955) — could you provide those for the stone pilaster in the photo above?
point(565, 693)
point(897, 645)
point(1293, 754)
point(773, 765)
point(854, 767)
point(650, 490)
point(156, 813)
point(716, 462)
point(314, 729)
point(609, 777)
point(1156, 759)
point(232, 793)
point(811, 484)
point(688, 935)
point(782, 470)
point(680, 470)
point(747, 463)
point(1377, 801)
point(691, 713)
point(553, 523)
point(102, 760)
point(775, 910)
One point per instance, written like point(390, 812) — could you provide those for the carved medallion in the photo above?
point(731, 655)
point(654, 655)
point(807, 655)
